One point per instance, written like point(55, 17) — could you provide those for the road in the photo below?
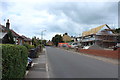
point(64, 64)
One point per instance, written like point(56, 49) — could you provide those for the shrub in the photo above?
point(35, 52)
point(14, 60)
point(8, 38)
point(28, 46)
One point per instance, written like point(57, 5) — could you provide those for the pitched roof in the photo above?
point(2, 35)
point(26, 38)
point(94, 30)
point(66, 38)
point(14, 33)
point(3, 28)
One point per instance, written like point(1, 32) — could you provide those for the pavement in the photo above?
point(39, 69)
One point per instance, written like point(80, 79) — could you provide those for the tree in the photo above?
point(44, 42)
point(57, 39)
point(8, 38)
point(34, 41)
point(66, 33)
point(117, 30)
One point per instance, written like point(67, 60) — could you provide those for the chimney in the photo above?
point(7, 24)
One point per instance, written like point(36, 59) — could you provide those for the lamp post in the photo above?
point(42, 36)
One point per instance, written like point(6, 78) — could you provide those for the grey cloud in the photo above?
point(86, 13)
point(77, 16)
point(119, 14)
point(83, 13)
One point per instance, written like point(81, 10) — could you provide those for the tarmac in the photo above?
point(110, 60)
point(40, 64)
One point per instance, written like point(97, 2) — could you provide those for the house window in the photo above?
point(14, 39)
point(20, 42)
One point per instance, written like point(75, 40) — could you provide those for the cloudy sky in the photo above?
point(30, 17)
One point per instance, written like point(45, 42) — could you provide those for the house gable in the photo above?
point(106, 30)
point(97, 30)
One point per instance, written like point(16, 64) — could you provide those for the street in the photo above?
point(64, 64)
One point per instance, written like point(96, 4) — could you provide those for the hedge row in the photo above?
point(14, 60)
point(35, 52)
point(28, 46)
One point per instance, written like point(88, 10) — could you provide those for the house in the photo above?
point(102, 36)
point(74, 39)
point(49, 43)
point(19, 40)
point(66, 37)
point(26, 40)
point(3, 32)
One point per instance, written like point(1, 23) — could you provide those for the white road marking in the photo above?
point(35, 63)
point(47, 69)
point(31, 66)
point(26, 72)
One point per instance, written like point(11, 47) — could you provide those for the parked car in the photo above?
point(33, 53)
point(75, 45)
point(29, 63)
point(116, 47)
point(69, 44)
point(64, 45)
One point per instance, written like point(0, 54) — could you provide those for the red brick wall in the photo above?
point(104, 53)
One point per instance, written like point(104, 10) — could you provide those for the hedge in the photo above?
point(28, 46)
point(0, 62)
point(14, 60)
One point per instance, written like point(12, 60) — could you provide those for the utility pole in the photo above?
point(42, 36)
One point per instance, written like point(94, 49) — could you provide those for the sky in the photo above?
point(31, 17)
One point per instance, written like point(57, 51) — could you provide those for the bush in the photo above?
point(35, 52)
point(28, 46)
point(14, 61)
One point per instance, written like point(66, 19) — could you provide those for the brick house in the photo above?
point(26, 40)
point(49, 43)
point(66, 37)
point(3, 32)
point(19, 40)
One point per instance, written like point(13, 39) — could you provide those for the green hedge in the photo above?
point(14, 60)
point(28, 46)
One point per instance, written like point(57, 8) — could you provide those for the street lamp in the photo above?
point(42, 36)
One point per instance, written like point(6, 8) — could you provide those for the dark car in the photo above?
point(29, 64)
point(116, 47)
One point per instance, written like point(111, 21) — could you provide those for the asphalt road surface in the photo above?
point(64, 64)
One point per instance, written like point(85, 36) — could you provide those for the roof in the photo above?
point(2, 28)
point(4, 31)
point(66, 38)
point(26, 38)
point(14, 33)
point(94, 30)
point(2, 35)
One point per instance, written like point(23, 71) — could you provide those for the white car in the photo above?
point(75, 45)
